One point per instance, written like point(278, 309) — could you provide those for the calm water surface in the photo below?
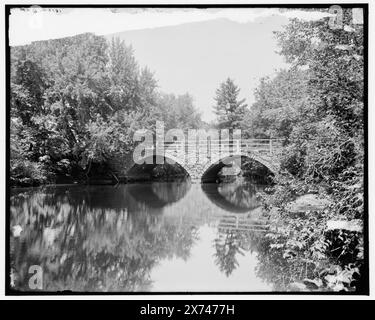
point(160, 236)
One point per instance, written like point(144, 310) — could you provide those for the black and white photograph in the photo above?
point(187, 149)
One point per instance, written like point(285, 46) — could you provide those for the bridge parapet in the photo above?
point(194, 152)
point(198, 156)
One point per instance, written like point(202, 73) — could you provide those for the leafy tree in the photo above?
point(77, 101)
point(321, 118)
point(178, 111)
point(123, 74)
point(331, 137)
point(280, 104)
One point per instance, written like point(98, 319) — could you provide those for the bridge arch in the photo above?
point(158, 194)
point(263, 151)
point(144, 170)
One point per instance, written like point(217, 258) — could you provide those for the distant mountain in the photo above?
point(196, 57)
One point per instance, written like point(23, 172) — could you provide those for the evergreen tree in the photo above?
point(229, 110)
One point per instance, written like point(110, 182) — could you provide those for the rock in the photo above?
point(313, 284)
point(348, 28)
point(343, 47)
point(297, 286)
point(16, 231)
point(307, 202)
point(354, 225)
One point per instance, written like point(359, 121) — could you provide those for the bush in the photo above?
point(27, 173)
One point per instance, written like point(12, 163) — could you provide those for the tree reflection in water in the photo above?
point(94, 238)
point(227, 246)
point(104, 238)
point(282, 261)
point(236, 235)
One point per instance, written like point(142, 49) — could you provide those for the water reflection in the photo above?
point(237, 196)
point(134, 197)
point(137, 237)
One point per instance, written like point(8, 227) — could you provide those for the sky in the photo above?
point(189, 50)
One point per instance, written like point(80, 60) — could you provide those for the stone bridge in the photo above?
point(203, 160)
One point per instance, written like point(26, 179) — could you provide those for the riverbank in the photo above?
point(324, 248)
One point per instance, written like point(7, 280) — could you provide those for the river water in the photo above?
point(159, 236)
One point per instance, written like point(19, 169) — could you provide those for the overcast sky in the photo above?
point(190, 50)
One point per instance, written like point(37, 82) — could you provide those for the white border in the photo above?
point(371, 163)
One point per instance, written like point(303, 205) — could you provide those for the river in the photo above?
point(157, 236)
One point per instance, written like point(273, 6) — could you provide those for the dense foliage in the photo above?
point(317, 106)
point(75, 103)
